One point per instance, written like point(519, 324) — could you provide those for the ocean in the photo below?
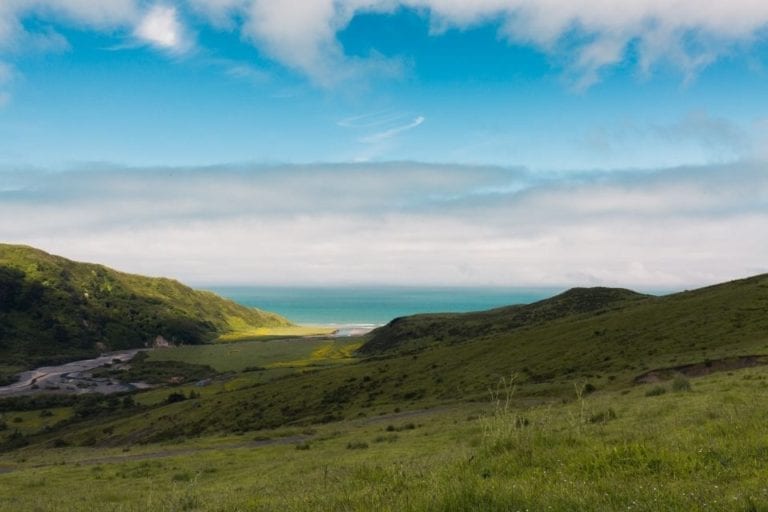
point(370, 306)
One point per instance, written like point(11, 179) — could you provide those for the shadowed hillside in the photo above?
point(53, 309)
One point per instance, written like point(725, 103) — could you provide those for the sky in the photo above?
point(405, 142)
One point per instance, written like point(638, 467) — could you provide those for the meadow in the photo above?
point(264, 353)
point(699, 445)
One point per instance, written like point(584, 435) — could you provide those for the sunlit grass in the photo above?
point(269, 333)
point(697, 449)
point(282, 353)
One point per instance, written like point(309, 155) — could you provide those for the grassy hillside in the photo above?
point(530, 407)
point(417, 332)
point(700, 448)
point(603, 345)
point(52, 309)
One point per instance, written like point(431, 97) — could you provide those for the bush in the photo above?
point(656, 391)
point(357, 445)
point(407, 426)
point(389, 438)
point(304, 445)
point(603, 416)
point(183, 476)
point(680, 384)
point(175, 397)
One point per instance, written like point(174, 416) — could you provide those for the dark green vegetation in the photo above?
point(141, 369)
point(416, 332)
point(616, 401)
point(53, 309)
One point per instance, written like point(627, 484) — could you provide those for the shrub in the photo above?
point(254, 369)
point(603, 416)
point(184, 476)
point(680, 384)
point(304, 445)
point(389, 438)
point(407, 426)
point(357, 445)
point(656, 391)
point(175, 397)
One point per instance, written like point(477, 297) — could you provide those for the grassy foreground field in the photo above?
point(699, 445)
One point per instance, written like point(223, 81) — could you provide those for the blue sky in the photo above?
point(550, 104)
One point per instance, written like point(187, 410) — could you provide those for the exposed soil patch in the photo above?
point(701, 369)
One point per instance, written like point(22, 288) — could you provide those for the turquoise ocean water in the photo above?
point(372, 305)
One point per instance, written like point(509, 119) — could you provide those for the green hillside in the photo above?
point(597, 399)
point(419, 331)
point(53, 309)
point(601, 339)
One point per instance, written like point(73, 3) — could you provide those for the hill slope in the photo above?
point(419, 331)
point(607, 338)
point(52, 308)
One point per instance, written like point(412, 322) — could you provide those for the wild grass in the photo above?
point(243, 332)
point(698, 450)
point(300, 352)
point(569, 430)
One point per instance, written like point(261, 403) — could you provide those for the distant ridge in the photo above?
point(52, 309)
point(415, 331)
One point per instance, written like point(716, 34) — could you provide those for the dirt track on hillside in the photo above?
point(701, 369)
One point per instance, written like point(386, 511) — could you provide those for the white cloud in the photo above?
point(586, 35)
point(219, 12)
point(94, 14)
point(161, 28)
point(392, 132)
point(378, 131)
point(401, 223)
point(156, 24)
point(590, 34)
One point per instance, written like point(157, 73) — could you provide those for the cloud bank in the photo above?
point(403, 223)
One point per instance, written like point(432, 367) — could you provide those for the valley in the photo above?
point(594, 399)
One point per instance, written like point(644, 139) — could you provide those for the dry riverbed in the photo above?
point(74, 377)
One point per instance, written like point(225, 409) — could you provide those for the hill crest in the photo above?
point(415, 332)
